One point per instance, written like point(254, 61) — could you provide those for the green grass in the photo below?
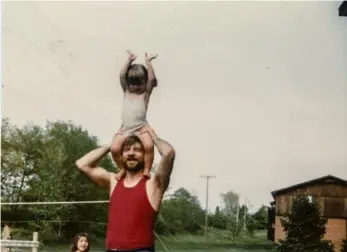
point(66, 249)
point(217, 241)
point(211, 249)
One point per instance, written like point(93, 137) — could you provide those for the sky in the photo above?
point(254, 93)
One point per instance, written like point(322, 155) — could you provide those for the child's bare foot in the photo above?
point(120, 174)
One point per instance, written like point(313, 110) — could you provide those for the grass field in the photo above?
point(235, 249)
point(66, 249)
point(210, 249)
point(215, 242)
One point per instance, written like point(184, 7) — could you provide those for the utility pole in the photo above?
point(237, 213)
point(207, 177)
point(245, 210)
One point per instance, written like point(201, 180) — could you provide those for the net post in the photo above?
point(35, 239)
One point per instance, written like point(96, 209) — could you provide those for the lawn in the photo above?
point(215, 242)
point(211, 249)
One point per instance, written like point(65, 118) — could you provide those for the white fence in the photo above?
point(34, 244)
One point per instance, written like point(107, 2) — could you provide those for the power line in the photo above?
point(53, 202)
point(207, 177)
point(48, 221)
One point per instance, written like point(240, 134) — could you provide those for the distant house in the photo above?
point(343, 9)
point(329, 191)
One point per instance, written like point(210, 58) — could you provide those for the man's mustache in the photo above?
point(131, 158)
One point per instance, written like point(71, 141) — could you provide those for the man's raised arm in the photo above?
point(164, 169)
point(88, 164)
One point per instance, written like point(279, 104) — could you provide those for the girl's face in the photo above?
point(138, 89)
point(82, 244)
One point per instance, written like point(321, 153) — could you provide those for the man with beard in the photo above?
point(134, 199)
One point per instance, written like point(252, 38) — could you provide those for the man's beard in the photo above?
point(135, 169)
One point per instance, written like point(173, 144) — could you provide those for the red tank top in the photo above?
point(130, 218)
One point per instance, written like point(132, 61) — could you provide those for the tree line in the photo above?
point(38, 164)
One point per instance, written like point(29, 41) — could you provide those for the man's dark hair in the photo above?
point(130, 141)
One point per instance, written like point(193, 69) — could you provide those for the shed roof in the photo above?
point(325, 179)
point(343, 9)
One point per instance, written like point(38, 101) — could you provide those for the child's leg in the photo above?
point(116, 153)
point(149, 152)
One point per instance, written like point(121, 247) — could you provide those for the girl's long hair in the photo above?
point(76, 239)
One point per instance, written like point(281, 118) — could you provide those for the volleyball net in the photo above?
point(51, 229)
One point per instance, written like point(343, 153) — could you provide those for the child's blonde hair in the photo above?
point(137, 74)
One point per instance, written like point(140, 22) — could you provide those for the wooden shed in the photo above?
point(343, 9)
point(329, 191)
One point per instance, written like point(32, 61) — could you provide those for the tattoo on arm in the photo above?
point(165, 167)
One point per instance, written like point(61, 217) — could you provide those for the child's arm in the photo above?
point(152, 80)
point(123, 72)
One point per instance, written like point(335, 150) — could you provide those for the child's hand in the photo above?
point(131, 55)
point(150, 57)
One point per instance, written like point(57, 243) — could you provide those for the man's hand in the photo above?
point(131, 55)
point(150, 57)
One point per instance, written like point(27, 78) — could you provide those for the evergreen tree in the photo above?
point(304, 228)
point(344, 246)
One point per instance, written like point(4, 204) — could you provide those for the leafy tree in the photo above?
point(19, 158)
point(231, 202)
point(304, 229)
point(344, 246)
point(234, 228)
point(38, 164)
point(181, 213)
point(218, 219)
point(260, 218)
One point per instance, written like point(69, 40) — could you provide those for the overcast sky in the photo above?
point(254, 93)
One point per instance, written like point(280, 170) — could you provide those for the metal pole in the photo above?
point(244, 214)
point(237, 214)
point(206, 205)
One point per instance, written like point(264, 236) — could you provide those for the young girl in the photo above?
point(80, 243)
point(137, 83)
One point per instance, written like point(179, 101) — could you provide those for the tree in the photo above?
point(304, 229)
point(218, 219)
point(344, 246)
point(233, 213)
point(19, 158)
point(260, 218)
point(181, 213)
point(38, 164)
point(231, 202)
